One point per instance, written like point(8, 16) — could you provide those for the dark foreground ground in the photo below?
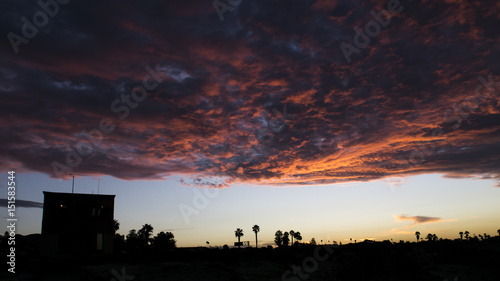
point(439, 260)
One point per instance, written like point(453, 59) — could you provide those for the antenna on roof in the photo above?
point(73, 186)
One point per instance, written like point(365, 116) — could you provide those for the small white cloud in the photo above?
point(177, 74)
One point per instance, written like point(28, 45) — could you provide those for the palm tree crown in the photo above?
point(430, 237)
point(116, 225)
point(278, 238)
point(297, 236)
point(238, 233)
point(286, 238)
point(255, 229)
point(145, 233)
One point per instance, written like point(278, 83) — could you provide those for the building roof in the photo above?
point(81, 195)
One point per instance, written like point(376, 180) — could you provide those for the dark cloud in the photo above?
point(418, 219)
point(402, 106)
point(21, 203)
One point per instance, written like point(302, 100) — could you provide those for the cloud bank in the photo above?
point(410, 102)
point(21, 203)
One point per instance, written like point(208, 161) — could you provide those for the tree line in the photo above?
point(143, 238)
point(280, 238)
point(468, 237)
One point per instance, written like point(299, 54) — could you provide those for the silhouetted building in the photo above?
point(77, 224)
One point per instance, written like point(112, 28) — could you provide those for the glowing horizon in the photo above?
point(340, 212)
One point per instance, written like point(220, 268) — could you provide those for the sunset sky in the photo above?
point(338, 119)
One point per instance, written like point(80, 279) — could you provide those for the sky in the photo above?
point(338, 119)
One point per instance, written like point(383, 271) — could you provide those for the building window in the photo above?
point(99, 241)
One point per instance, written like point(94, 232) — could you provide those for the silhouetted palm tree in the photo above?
point(297, 236)
point(418, 235)
point(132, 234)
point(430, 237)
point(278, 238)
point(145, 233)
point(466, 234)
point(164, 240)
point(116, 225)
point(292, 233)
point(461, 235)
point(255, 229)
point(434, 237)
point(286, 239)
point(238, 233)
point(132, 239)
